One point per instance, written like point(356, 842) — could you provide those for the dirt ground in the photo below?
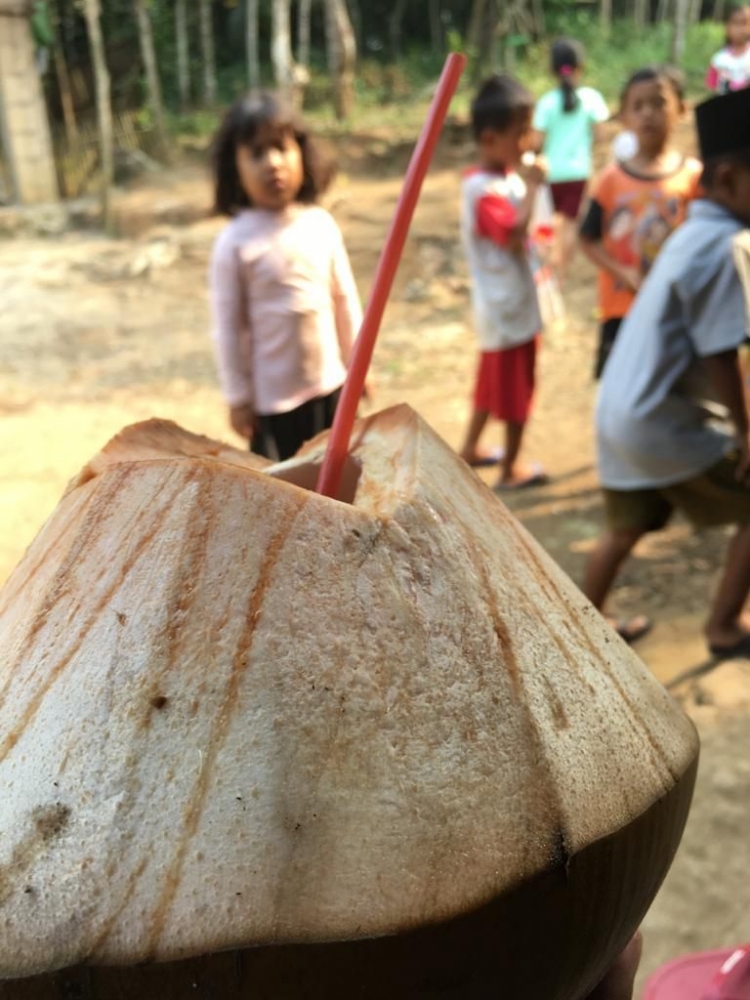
point(97, 333)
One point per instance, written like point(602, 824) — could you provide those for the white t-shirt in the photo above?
point(729, 70)
point(285, 307)
point(654, 408)
point(503, 293)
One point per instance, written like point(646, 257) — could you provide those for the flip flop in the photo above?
point(537, 477)
point(739, 651)
point(632, 629)
point(488, 460)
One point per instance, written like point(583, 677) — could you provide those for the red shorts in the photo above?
point(567, 197)
point(505, 382)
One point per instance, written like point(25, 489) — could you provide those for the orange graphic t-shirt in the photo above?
point(633, 215)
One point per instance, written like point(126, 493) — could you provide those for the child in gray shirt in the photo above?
point(674, 367)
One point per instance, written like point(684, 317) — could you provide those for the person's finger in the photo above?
point(618, 983)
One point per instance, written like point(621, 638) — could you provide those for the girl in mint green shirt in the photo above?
point(566, 120)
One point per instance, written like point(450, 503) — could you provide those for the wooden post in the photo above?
point(23, 114)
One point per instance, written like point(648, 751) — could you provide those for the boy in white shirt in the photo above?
point(496, 209)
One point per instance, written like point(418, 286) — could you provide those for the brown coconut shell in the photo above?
point(386, 744)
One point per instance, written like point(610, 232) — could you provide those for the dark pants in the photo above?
point(281, 435)
point(607, 336)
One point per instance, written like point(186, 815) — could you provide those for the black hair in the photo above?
point(499, 102)
point(729, 12)
point(566, 56)
point(647, 74)
point(741, 158)
point(241, 124)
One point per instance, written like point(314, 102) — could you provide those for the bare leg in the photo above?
point(477, 424)
point(513, 439)
point(567, 244)
point(605, 561)
point(726, 625)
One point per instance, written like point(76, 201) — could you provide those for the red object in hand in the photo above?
point(544, 234)
point(346, 412)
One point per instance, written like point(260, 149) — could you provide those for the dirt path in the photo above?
point(95, 334)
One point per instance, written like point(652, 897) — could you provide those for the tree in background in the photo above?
point(303, 33)
point(342, 56)
point(207, 51)
point(153, 86)
point(92, 13)
point(252, 47)
point(182, 46)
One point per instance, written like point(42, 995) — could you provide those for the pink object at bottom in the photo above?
point(706, 975)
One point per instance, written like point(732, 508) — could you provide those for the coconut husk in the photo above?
point(381, 735)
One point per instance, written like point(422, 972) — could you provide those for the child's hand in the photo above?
point(243, 420)
point(368, 390)
point(534, 170)
point(631, 277)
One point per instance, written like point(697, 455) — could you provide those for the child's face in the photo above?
point(651, 111)
point(738, 28)
point(503, 150)
point(270, 167)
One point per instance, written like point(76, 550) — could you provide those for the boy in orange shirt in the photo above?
point(636, 204)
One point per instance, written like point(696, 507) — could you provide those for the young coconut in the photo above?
point(384, 744)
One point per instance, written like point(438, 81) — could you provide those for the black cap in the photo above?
point(724, 124)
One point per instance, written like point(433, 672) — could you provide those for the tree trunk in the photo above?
point(679, 35)
point(395, 19)
point(148, 54)
point(103, 106)
point(662, 12)
point(639, 13)
point(474, 36)
point(207, 51)
point(436, 28)
point(251, 44)
point(718, 13)
point(342, 56)
point(303, 33)
point(63, 85)
point(183, 53)
point(605, 16)
point(696, 9)
point(281, 48)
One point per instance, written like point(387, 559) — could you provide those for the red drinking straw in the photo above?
point(346, 412)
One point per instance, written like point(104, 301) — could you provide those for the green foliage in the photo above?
point(611, 59)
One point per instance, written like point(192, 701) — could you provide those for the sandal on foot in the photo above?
point(485, 461)
point(632, 629)
point(738, 651)
point(536, 477)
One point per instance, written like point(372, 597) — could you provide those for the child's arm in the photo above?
point(725, 373)
point(227, 298)
point(346, 304)
point(590, 232)
point(712, 77)
point(502, 222)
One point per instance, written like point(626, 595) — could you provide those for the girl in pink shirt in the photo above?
point(730, 68)
point(284, 302)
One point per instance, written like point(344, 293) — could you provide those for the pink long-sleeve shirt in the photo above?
point(285, 307)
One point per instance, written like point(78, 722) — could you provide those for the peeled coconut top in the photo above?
point(235, 712)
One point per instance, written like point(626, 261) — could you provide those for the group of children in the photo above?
point(672, 305)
